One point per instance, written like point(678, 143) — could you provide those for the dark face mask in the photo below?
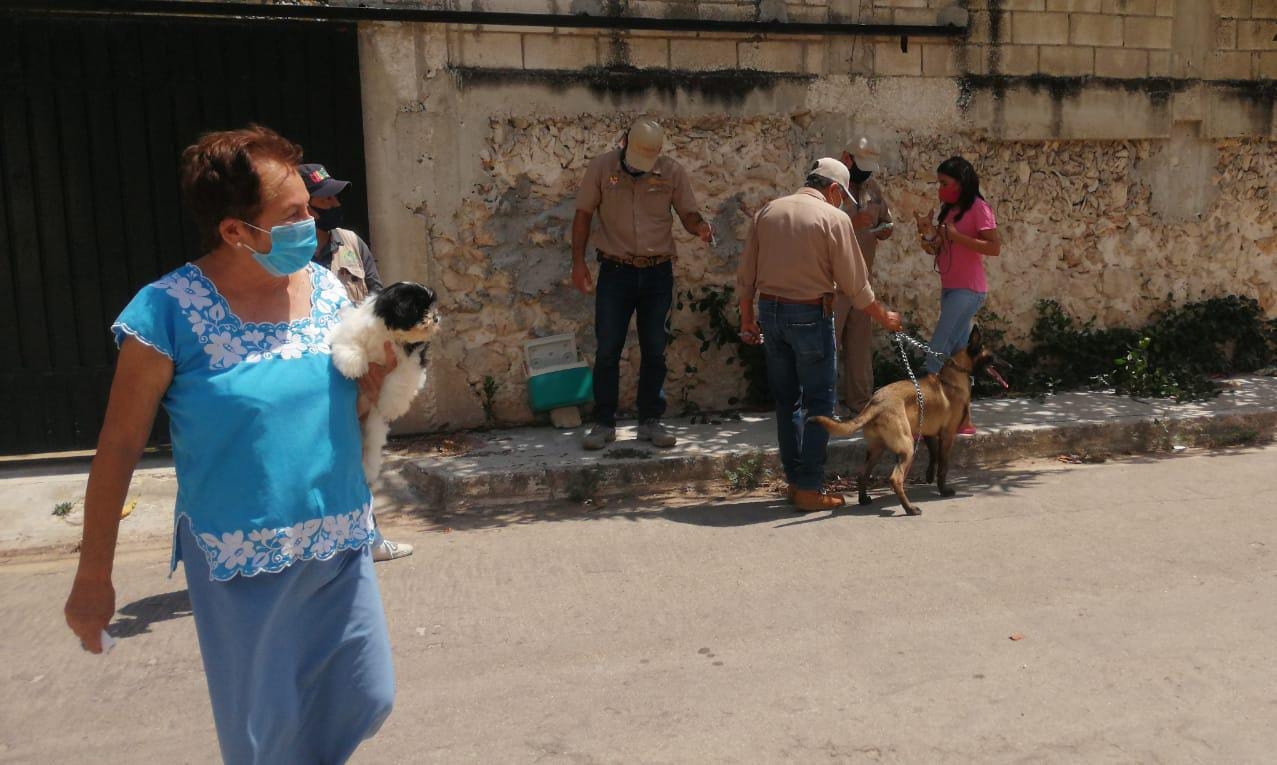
point(328, 218)
point(858, 176)
point(626, 166)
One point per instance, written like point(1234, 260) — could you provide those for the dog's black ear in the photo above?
point(402, 305)
point(974, 341)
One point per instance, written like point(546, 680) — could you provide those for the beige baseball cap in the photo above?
point(643, 144)
point(865, 153)
point(828, 167)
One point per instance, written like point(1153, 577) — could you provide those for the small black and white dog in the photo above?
point(402, 313)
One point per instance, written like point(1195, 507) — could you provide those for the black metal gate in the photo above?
point(94, 114)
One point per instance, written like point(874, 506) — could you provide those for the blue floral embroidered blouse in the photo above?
point(266, 441)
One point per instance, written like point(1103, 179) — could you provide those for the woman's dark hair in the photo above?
point(220, 180)
point(961, 171)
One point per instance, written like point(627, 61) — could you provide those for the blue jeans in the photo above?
point(802, 367)
point(957, 308)
point(622, 292)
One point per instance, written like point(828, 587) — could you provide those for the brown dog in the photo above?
point(890, 420)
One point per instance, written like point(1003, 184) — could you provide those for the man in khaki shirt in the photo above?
point(872, 222)
point(801, 251)
point(633, 190)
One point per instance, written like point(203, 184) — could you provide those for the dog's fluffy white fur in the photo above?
point(402, 314)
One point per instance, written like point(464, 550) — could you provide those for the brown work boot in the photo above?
point(810, 501)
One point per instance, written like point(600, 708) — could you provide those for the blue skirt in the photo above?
point(298, 662)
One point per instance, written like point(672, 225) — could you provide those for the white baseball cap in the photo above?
point(865, 153)
point(832, 169)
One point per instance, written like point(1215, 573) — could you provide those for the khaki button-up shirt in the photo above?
point(870, 199)
point(801, 247)
point(634, 211)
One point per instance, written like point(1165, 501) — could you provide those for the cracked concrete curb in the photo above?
point(437, 487)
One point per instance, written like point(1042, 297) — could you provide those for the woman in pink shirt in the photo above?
point(965, 233)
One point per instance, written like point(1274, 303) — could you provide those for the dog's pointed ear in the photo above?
point(975, 341)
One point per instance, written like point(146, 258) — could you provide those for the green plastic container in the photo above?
point(563, 387)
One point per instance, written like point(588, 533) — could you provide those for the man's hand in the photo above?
point(890, 320)
point(89, 610)
point(926, 228)
point(705, 231)
point(581, 278)
point(751, 333)
point(370, 384)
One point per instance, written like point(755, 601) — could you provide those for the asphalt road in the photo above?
point(1144, 594)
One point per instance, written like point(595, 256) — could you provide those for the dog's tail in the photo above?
point(843, 429)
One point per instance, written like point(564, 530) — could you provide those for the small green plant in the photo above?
point(1174, 355)
point(490, 388)
point(1234, 437)
point(63, 509)
point(689, 407)
point(748, 474)
point(583, 486)
point(1136, 375)
point(719, 306)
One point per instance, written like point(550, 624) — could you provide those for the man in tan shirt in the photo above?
point(872, 222)
point(801, 252)
point(633, 190)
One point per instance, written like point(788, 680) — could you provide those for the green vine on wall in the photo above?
point(722, 330)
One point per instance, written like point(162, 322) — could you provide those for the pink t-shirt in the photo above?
point(962, 267)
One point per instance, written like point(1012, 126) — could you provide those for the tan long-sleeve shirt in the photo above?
point(800, 248)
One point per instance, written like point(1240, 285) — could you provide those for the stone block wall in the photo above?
point(1127, 171)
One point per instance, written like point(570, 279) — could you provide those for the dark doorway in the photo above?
point(95, 115)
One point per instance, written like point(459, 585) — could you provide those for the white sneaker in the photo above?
point(388, 550)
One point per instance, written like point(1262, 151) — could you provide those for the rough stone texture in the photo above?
point(1079, 225)
point(510, 284)
point(1112, 194)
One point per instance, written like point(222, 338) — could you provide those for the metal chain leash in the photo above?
point(901, 339)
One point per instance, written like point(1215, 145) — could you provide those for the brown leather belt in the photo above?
point(789, 301)
point(637, 261)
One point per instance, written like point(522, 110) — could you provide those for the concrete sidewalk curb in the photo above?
point(437, 486)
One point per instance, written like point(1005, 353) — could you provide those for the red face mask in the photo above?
point(950, 194)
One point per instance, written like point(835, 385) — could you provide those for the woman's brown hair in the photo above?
point(220, 178)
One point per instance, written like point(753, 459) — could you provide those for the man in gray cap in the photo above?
point(801, 252)
point(633, 190)
point(347, 255)
point(871, 219)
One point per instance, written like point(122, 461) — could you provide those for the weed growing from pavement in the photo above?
point(1235, 437)
point(490, 388)
point(583, 486)
point(63, 509)
point(748, 474)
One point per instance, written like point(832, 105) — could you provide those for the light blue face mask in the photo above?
point(292, 245)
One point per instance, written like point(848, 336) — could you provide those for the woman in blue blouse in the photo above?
point(273, 516)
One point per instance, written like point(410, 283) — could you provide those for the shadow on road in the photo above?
point(885, 504)
point(716, 509)
point(141, 614)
